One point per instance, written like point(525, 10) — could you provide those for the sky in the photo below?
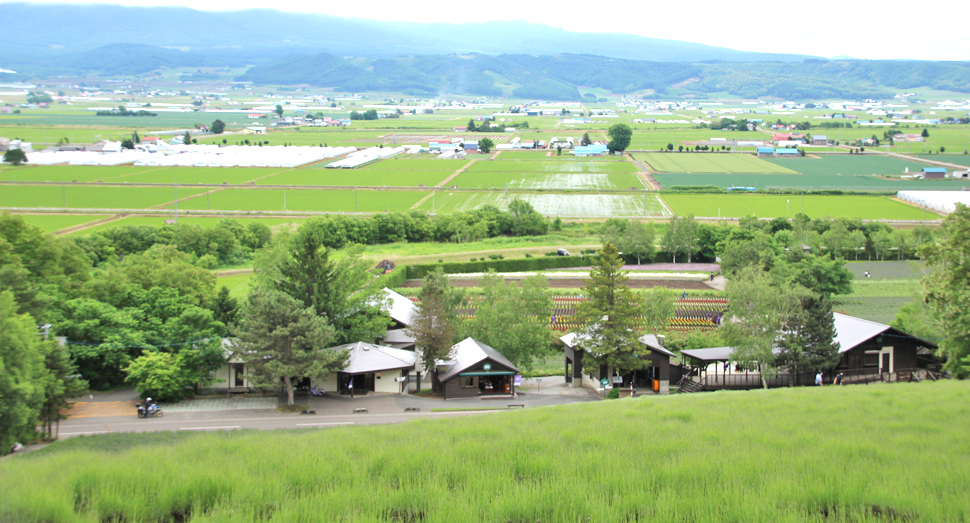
point(887, 30)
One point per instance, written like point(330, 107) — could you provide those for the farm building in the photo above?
point(656, 377)
point(461, 129)
point(820, 139)
point(933, 173)
point(471, 145)
point(787, 153)
point(590, 150)
point(474, 370)
point(869, 352)
point(766, 151)
point(907, 138)
point(369, 368)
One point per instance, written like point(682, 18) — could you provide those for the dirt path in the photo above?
point(233, 272)
point(644, 173)
point(88, 225)
point(442, 183)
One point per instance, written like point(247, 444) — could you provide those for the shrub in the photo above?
point(614, 393)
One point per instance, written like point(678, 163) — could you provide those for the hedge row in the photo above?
point(395, 278)
point(513, 265)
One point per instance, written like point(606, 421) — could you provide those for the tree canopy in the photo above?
point(620, 135)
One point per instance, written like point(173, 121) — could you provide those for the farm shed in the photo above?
point(474, 370)
point(641, 380)
point(370, 368)
point(820, 139)
point(933, 173)
point(940, 201)
point(589, 150)
point(787, 153)
point(766, 151)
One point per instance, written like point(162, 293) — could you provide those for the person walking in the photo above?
point(712, 275)
point(818, 379)
point(838, 379)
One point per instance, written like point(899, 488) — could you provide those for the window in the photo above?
point(469, 382)
point(871, 359)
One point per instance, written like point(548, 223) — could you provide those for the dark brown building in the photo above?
point(642, 380)
point(475, 369)
point(870, 348)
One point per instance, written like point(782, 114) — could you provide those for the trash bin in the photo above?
point(656, 385)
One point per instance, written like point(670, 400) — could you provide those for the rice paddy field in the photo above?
point(949, 158)
point(818, 454)
point(710, 163)
point(132, 174)
point(90, 197)
point(848, 182)
point(552, 204)
point(816, 206)
point(304, 200)
point(403, 163)
point(553, 166)
point(547, 181)
point(357, 177)
point(204, 221)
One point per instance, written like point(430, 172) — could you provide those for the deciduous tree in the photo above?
point(620, 135)
point(21, 374)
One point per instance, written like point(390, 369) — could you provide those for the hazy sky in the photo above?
point(927, 30)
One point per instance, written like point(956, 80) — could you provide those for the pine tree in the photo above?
point(435, 327)
point(610, 315)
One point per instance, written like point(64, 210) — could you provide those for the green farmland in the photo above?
point(949, 158)
point(772, 206)
point(710, 163)
point(855, 182)
point(56, 222)
point(357, 177)
point(409, 164)
point(204, 221)
point(68, 173)
point(304, 200)
point(552, 204)
point(90, 197)
point(547, 181)
point(848, 164)
point(778, 455)
point(552, 166)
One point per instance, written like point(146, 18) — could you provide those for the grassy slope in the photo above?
point(809, 454)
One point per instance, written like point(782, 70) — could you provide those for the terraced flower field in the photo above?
point(710, 163)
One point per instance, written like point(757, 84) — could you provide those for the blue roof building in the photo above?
point(766, 151)
point(787, 152)
point(589, 150)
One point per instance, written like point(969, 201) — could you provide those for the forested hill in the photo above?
point(40, 30)
point(557, 77)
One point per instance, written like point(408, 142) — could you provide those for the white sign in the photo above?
point(399, 380)
point(617, 379)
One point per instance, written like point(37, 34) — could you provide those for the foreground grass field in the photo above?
point(859, 453)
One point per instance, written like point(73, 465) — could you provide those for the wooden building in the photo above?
point(474, 370)
point(655, 377)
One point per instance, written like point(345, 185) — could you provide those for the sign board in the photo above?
point(617, 379)
point(487, 366)
point(518, 379)
point(400, 380)
point(604, 382)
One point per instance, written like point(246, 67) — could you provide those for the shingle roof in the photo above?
point(400, 308)
point(366, 357)
point(468, 353)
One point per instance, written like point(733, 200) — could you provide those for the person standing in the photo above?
point(712, 275)
point(818, 379)
point(838, 378)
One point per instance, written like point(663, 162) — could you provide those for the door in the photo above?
point(886, 360)
point(238, 379)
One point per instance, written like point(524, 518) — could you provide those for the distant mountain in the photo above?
point(28, 31)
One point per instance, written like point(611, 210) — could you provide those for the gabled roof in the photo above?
point(712, 354)
point(400, 308)
point(366, 357)
point(850, 332)
point(652, 343)
point(466, 354)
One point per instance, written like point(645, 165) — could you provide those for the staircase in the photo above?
point(687, 385)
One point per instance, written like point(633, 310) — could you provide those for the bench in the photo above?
point(360, 410)
point(517, 406)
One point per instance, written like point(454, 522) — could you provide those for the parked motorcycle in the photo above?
point(149, 409)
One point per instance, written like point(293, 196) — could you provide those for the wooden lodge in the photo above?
point(475, 370)
point(655, 377)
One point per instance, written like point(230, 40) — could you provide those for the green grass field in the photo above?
point(69, 173)
point(408, 164)
point(357, 177)
point(553, 166)
point(848, 164)
point(238, 284)
point(959, 159)
point(771, 206)
point(192, 175)
point(547, 181)
point(90, 197)
point(158, 221)
point(56, 222)
point(848, 182)
point(820, 454)
point(305, 200)
point(551, 204)
point(710, 163)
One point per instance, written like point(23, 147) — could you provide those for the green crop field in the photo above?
point(357, 177)
point(710, 163)
point(90, 197)
point(771, 206)
point(193, 175)
point(408, 164)
point(849, 164)
point(205, 221)
point(56, 222)
point(238, 284)
point(526, 155)
point(959, 159)
point(552, 204)
point(547, 181)
point(68, 173)
point(820, 454)
point(856, 182)
point(304, 200)
point(552, 166)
